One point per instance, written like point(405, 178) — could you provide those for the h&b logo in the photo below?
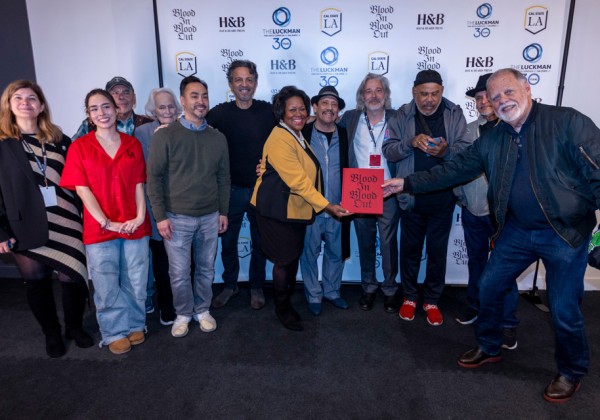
point(283, 64)
point(480, 62)
point(232, 22)
point(430, 19)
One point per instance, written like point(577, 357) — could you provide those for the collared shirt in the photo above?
point(328, 155)
point(364, 145)
point(126, 127)
point(113, 181)
point(191, 126)
point(524, 209)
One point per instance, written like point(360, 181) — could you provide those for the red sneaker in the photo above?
point(407, 310)
point(434, 316)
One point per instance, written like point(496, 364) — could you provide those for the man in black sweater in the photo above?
point(246, 123)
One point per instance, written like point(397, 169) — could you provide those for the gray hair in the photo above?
point(516, 74)
point(151, 104)
point(360, 102)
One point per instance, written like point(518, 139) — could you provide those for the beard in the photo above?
point(512, 114)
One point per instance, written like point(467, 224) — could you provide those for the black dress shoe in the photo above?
point(560, 389)
point(477, 357)
point(366, 301)
point(390, 304)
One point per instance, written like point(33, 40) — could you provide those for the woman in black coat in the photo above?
point(40, 223)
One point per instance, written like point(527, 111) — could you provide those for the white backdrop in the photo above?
point(71, 57)
point(314, 44)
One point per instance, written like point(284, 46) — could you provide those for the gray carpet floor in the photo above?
point(347, 364)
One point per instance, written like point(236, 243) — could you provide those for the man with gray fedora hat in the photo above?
point(329, 142)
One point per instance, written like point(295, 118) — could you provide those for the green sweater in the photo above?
point(188, 172)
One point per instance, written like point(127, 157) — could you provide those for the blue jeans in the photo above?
point(514, 251)
point(239, 203)
point(119, 272)
point(478, 230)
point(198, 235)
point(366, 236)
point(329, 230)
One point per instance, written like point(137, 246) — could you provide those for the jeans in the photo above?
point(239, 203)
point(198, 235)
point(514, 251)
point(478, 230)
point(416, 227)
point(119, 272)
point(329, 230)
point(366, 235)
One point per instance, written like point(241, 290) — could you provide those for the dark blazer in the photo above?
point(22, 209)
point(343, 139)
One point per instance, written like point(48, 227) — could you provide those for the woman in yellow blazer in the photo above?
point(287, 196)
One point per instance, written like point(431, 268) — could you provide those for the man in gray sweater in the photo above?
point(188, 187)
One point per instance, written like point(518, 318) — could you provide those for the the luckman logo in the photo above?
point(379, 62)
point(536, 19)
point(331, 21)
point(186, 64)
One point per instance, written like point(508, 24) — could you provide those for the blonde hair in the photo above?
point(48, 132)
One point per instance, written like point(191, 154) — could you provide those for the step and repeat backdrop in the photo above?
point(314, 43)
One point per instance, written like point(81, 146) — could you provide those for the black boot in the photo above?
point(74, 296)
point(291, 288)
point(41, 301)
point(285, 312)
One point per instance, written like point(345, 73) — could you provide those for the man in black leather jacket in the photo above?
point(542, 163)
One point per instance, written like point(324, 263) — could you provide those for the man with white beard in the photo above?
point(543, 167)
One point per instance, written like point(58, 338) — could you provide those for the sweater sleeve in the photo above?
point(157, 167)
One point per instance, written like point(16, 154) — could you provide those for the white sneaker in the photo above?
point(206, 321)
point(180, 326)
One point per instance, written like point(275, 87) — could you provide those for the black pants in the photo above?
point(415, 228)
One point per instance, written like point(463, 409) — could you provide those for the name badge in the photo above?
point(374, 160)
point(49, 194)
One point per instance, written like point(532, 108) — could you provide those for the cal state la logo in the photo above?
point(331, 21)
point(379, 62)
point(536, 19)
point(186, 64)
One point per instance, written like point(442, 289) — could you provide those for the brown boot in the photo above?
point(136, 337)
point(122, 345)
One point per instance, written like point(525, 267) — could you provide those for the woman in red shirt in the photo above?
point(107, 170)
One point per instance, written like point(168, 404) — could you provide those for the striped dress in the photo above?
point(64, 251)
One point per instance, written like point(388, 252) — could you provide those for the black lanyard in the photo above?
point(42, 167)
point(371, 131)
